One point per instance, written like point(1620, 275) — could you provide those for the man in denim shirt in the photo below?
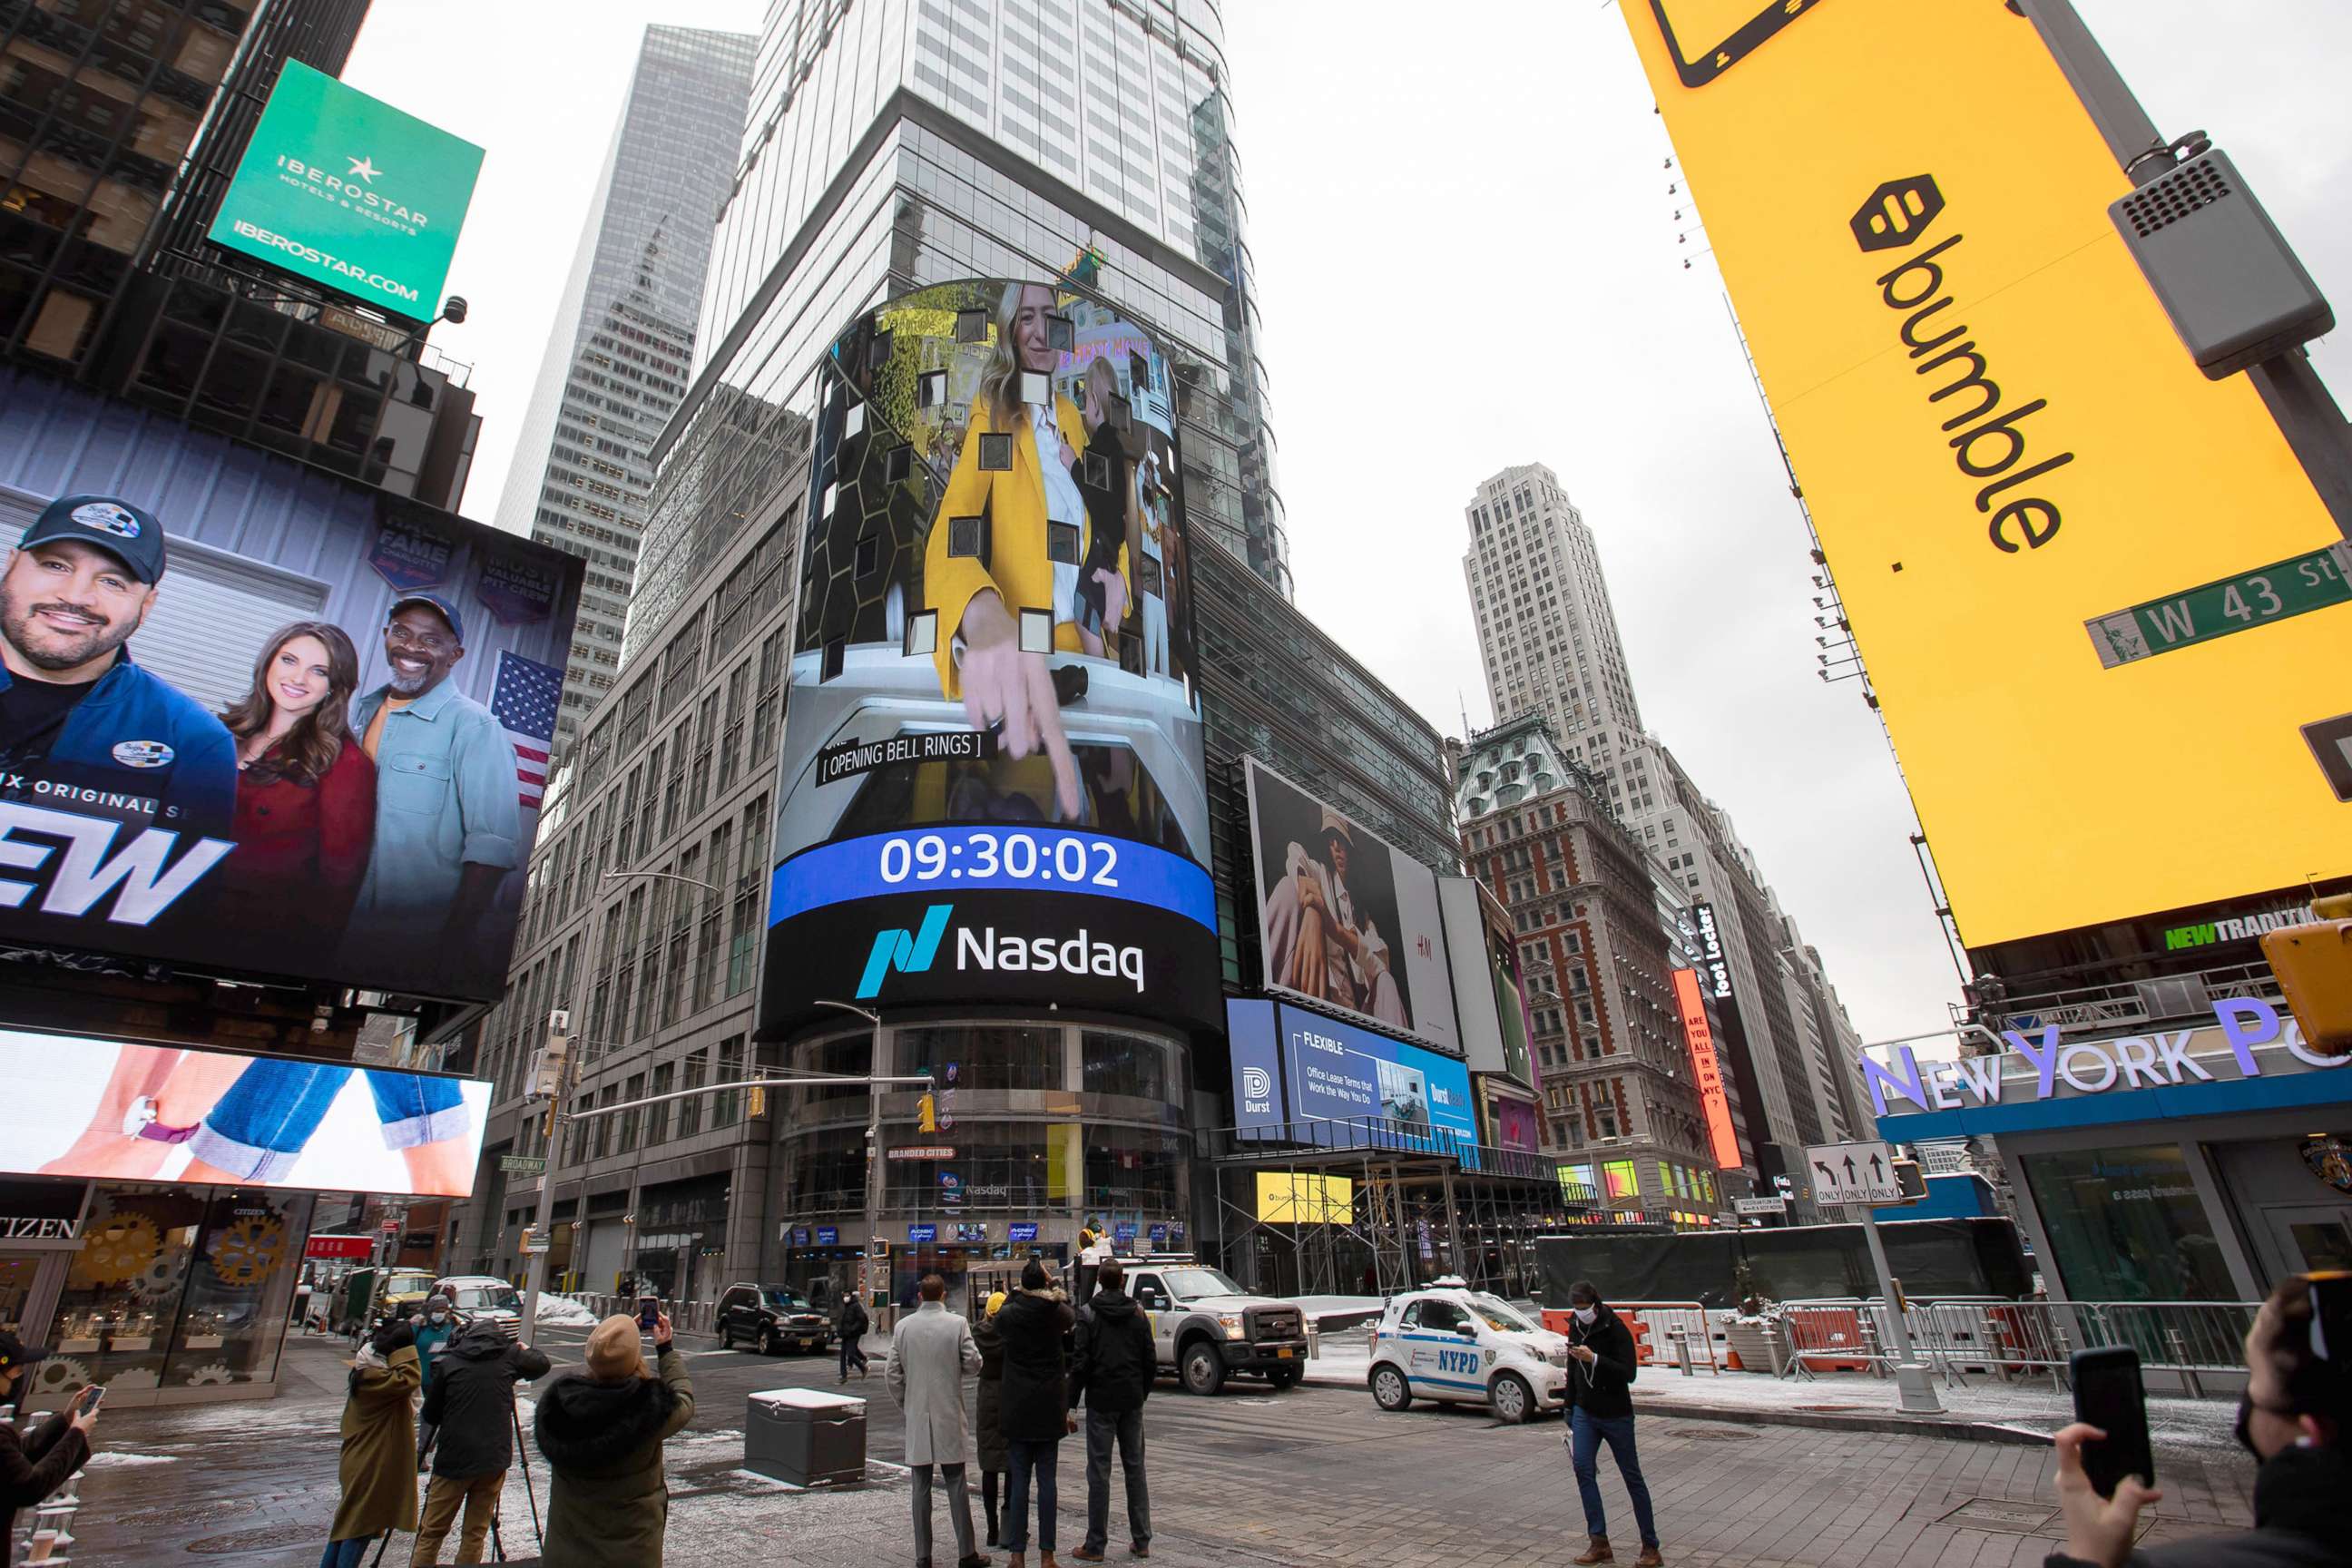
point(449, 819)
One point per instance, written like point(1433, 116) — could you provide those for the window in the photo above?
point(657, 1116)
point(689, 1111)
point(2127, 1225)
point(1621, 1179)
point(727, 1105)
point(636, 1091)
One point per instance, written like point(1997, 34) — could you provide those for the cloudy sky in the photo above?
point(1494, 182)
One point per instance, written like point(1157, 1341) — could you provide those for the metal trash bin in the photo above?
point(805, 1437)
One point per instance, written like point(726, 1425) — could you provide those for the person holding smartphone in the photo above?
point(33, 1466)
point(2293, 1419)
point(601, 1430)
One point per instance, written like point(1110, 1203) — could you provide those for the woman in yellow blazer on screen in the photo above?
point(980, 597)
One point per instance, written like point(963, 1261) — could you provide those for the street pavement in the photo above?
point(1311, 1476)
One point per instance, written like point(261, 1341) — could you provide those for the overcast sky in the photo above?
point(1469, 220)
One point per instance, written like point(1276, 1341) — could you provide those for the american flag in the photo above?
point(524, 698)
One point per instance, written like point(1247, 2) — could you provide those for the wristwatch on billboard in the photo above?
point(1698, 61)
point(139, 1122)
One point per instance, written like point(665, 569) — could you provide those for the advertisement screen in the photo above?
point(1254, 1035)
point(1488, 999)
point(991, 783)
point(1512, 1121)
point(261, 721)
point(1706, 1071)
point(1967, 364)
point(347, 191)
point(115, 1111)
point(1350, 1085)
point(1346, 919)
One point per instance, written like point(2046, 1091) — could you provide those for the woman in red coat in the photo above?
point(305, 795)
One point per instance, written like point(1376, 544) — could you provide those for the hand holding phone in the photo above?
point(648, 1312)
point(2108, 1396)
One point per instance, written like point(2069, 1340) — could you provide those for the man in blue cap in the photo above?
point(448, 813)
point(100, 735)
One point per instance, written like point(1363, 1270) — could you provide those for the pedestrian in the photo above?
point(602, 1431)
point(33, 1466)
point(1602, 1366)
point(1112, 1372)
point(434, 1326)
point(378, 1462)
point(2295, 1419)
point(1036, 1405)
point(850, 1323)
point(988, 1415)
point(930, 1352)
point(471, 1410)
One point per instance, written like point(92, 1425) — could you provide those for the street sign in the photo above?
point(1852, 1174)
point(534, 1241)
point(2291, 588)
point(1761, 1205)
point(390, 1227)
point(523, 1164)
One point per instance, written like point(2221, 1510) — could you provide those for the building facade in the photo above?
point(894, 145)
point(617, 361)
point(1550, 645)
point(1622, 1109)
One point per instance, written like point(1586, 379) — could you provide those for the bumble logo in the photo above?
point(1988, 439)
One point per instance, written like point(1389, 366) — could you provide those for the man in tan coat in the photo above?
point(931, 1354)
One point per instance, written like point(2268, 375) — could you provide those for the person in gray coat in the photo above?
point(930, 1353)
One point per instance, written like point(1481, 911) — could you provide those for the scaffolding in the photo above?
point(1418, 1204)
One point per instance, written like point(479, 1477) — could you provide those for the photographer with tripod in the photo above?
point(470, 1426)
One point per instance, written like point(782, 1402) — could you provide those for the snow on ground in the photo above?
point(110, 1460)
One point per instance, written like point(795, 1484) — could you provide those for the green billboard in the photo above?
point(347, 191)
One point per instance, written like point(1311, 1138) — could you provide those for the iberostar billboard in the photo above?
point(2071, 562)
point(347, 191)
point(123, 1111)
point(1345, 918)
point(991, 782)
point(256, 719)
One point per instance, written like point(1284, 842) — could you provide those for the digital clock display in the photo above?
point(1012, 858)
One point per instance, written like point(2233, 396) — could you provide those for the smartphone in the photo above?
point(91, 1398)
point(2108, 1395)
point(650, 1312)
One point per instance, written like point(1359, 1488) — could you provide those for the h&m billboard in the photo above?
point(1966, 365)
point(991, 788)
point(347, 191)
point(255, 720)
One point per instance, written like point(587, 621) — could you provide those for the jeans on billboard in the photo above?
point(1586, 1433)
point(258, 1130)
point(1038, 1459)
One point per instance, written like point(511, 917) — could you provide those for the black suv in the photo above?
point(773, 1317)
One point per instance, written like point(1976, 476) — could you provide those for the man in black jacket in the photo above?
point(1600, 1372)
point(31, 1467)
point(1112, 1372)
point(2294, 1418)
point(470, 1408)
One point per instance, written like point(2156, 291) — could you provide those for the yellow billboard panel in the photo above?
point(2006, 448)
point(1292, 1198)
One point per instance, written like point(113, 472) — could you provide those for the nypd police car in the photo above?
point(1451, 1342)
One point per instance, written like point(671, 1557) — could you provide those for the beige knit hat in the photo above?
point(614, 1350)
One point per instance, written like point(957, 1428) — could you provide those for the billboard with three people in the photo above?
point(991, 786)
point(257, 721)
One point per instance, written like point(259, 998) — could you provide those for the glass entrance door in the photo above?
point(2312, 1236)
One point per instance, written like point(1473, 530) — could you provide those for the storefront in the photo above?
point(165, 1295)
point(2193, 1164)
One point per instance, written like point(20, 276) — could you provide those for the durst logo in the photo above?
point(1990, 441)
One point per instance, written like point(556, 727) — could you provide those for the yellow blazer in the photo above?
point(1018, 569)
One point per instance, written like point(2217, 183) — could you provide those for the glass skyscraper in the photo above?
point(618, 361)
point(893, 143)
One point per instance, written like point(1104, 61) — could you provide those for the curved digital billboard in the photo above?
point(992, 785)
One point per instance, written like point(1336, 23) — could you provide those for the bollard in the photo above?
point(2180, 1356)
point(1314, 1341)
point(1682, 1349)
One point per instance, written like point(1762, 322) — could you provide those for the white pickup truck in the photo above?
point(1204, 1327)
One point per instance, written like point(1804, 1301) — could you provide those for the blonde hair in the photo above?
point(1000, 383)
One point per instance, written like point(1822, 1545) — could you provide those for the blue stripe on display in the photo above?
point(937, 861)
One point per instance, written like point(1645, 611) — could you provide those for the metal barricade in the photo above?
point(1827, 1336)
point(1962, 1336)
point(1653, 1341)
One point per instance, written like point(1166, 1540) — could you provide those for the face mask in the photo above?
point(440, 1317)
point(1586, 1315)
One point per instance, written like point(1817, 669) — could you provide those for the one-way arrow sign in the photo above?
point(1853, 1173)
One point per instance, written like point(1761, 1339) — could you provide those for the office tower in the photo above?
point(617, 360)
point(1549, 641)
point(902, 142)
point(99, 102)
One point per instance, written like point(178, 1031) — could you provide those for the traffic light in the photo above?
point(1908, 1180)
point(758, 1102)
point(2314, 966)
point(927, 1114)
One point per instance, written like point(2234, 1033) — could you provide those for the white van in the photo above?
point(1452, 1343)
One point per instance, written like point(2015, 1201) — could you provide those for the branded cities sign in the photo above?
point(347, 191)
point(1967, 367)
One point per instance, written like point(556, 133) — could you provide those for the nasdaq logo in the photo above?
point(908, 952)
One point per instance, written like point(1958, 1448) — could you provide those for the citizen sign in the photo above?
point(2158, 1060)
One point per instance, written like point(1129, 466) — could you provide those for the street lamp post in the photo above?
point(873, 1143)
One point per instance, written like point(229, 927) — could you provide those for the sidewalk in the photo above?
point(1984, 1410)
